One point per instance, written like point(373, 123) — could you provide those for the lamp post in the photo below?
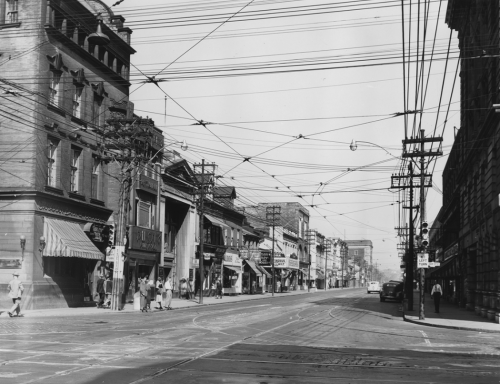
point(41, 249)
point(22, 240)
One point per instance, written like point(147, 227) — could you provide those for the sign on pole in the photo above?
point(422, 260)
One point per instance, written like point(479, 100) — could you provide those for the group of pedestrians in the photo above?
point(163, 293)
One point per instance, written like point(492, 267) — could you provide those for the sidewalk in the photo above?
point(176, 305)
point(449, 316)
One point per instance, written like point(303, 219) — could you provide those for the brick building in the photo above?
point(469, 221)
point(57, 90)
point(294, 219)
point(360, 257)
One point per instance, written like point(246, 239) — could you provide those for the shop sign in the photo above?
point(145, 239)
point(10, 263)
point(148, 184)
point(220, 252)
point(265, 258)
point(280, 262)
point(96, 232)
point(451, 251)
point(293, 263)
point(244, 254)
point(254, 255)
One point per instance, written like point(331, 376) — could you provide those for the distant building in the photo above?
point(360, 258)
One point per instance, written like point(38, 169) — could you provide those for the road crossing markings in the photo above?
point(427, 341)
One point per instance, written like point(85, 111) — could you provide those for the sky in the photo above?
point(286, 86)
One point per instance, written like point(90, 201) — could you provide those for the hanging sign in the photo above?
point(422, 260)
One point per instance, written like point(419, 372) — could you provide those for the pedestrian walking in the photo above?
point(100, 290)
point(219, 288)
point(436, 293)
point(15, 289)
point(144, 293)
point(159, 293)
point(168, 290)
point(108, 290)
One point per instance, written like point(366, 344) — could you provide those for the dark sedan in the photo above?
point(392, 290)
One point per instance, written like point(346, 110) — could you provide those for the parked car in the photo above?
point(373, 286)
point(392, 290)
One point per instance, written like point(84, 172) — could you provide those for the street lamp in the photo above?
point(354, 145)
point(22, 240)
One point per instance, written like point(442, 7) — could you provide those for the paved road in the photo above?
point(341, 336)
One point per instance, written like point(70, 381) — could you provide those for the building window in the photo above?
point(77, 101)
point(52, 163)
point(12, 12)
point(96, 177)
point(75, 171)
point(144, 214)
point(54, 87)
point(96, 109)
point(355, 253)
point(226, 241)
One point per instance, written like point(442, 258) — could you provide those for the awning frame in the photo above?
point(67, 239)
point(252, 265)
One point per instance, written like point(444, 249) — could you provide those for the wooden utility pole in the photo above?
point(203, 184)
point(311, 239)
point(273, 214)
point(422, 154)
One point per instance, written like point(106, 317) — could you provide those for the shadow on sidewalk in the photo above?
point(447, 310)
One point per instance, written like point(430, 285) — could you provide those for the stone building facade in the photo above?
point(57, 90)
point(469, 220)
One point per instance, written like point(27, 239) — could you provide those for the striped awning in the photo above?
point(262, 269)
point(67, 239)
point(252, 265)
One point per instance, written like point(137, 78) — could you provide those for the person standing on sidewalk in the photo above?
point(159, 293)
point(16, 289)
point(100, 290)
point(168, 289)
point(219, 289)
point(436, 293)
point(144, 293)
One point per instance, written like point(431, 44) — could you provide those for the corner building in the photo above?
point(469, 221)
point(56, 92)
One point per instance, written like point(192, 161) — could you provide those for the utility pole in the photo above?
point(273, 214)
point(130, 151)
point(311, 237)
point(326, 260)
point(203, 184)
point(422, 184)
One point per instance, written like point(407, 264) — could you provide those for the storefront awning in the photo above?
point(264, 272)
point(320, 274)
point(214, 220)
point(305, 271)
point(446, 269)
point(233, 268)
point(67, 239)
point(252, 265)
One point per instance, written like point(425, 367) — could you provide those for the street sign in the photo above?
point(422, 260)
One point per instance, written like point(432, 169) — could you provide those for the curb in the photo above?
point(196, 305)
point(420, 322)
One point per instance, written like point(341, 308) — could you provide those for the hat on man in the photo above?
point(15, 274)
